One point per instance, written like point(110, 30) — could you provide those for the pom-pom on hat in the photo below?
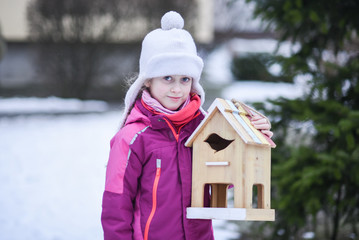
point(172, 20)
point(169, 50)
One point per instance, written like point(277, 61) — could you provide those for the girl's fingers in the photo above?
point(256, 117)
point(260, 121)
point(263, 126)
point(268, 133)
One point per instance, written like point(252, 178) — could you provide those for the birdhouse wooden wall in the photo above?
point(221, 157)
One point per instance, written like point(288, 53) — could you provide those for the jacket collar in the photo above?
point(156, 120)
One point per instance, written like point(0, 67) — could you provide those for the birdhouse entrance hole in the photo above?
point(217, 143)
point(258, 196)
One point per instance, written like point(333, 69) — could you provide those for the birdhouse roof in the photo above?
point(237, 117)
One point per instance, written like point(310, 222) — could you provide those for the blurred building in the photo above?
point(16, 67)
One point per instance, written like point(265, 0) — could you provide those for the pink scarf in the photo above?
point(186, 112)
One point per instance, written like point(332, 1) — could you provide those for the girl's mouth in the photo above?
point(175, 98)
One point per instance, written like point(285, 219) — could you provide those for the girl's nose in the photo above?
point(176, 88)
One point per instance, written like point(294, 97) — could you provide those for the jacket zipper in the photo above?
point(175, 133)
point(154, 198)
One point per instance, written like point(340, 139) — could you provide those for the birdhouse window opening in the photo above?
point(257, 196)
point(230, 197)
point(217, 143)
point(219, 193)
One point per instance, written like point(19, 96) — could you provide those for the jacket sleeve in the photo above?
point(120, 189)
point(117, 215)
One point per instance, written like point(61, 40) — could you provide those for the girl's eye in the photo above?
point(167, 78)
point(186, 79)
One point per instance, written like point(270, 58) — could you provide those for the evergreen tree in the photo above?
point(316, 164)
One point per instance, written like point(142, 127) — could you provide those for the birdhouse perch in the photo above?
point(228, 150)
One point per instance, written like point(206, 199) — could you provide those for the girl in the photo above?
point(148, 178)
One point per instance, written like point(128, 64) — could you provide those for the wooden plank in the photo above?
point(239, 124)
point(239, 214)
point(237, 127)
point(217, 213)
point(256, 214)
point(227, 112)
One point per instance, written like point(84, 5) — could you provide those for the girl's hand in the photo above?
point(262, 124)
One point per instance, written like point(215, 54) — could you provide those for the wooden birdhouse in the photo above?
point(229, 151)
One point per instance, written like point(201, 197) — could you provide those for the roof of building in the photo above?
point(237, 117)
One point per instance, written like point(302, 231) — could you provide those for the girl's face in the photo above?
point(170, 91)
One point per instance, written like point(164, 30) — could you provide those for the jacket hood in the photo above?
point(137, 116)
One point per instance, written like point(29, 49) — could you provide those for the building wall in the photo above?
point(14, 24)
point(13, 19)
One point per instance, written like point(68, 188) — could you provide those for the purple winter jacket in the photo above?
point(148, 181)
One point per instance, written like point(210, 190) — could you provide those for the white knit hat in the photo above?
point(169, 50)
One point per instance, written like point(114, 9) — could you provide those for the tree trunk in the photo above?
point(336, 218)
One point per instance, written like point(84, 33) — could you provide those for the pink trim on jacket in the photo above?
point(117, 162)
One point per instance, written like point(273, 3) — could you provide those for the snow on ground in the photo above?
point(52, 171)
point(52, 104)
